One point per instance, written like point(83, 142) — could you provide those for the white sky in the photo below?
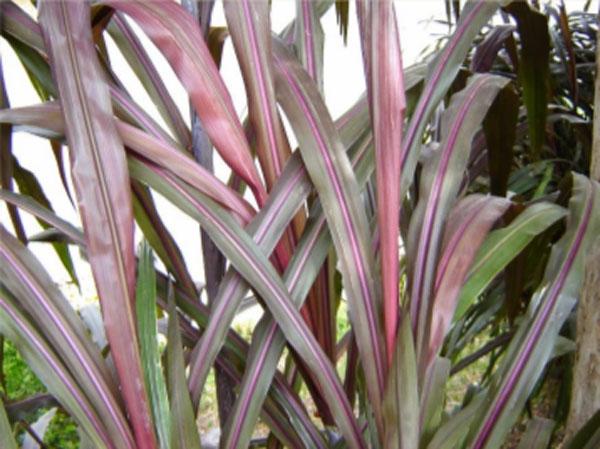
point(343, 79)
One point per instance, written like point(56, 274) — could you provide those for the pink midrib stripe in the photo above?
point(33, 287)
point(266, 104)
point(432, 206)
point(540, 322)
point(259, 237)
point(418, 115)
point(58, 371)
point(345, 212)
point(281, 296)
point(147, 11)
point(291, 284)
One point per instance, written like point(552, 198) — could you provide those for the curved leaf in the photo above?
point(176, 34)
point(45, 118)
point(334, 180)
point(50, 370)
point(502, 246)
point(474, 15)
point(50, 311)
point(532, 345)
point(254, 266)
point(466, 228)
point(440, 182)
point(139, 61)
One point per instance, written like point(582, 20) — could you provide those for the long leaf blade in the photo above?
point(249, 26)
point(145, 306)
point(105, 206)
point(387, 116)
point(255, 268)
point(531, 347)
point(331, 173)
point(176, 34)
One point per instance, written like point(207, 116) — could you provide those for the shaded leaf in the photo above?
point(532, 345)
point(532, 27)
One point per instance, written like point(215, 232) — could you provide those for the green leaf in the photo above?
point(254, 266)
point(145, 305)
point(184, 431)
point(50, 370)
point(401, 399)
point(533, 343)
point(502, 246)
point(7, 439)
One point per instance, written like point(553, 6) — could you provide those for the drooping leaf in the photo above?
point(49, 369)
point(45, 119)
point(27, 280)
point(267, 345)
point(137, 58)
point(30, 205)
point(532, 345)
point(176, 34)
point(96, 153)
point(266, 229)
point(254, 266)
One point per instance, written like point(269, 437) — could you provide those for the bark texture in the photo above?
point(585, 395)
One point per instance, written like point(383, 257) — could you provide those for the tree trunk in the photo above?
point(585, 394)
